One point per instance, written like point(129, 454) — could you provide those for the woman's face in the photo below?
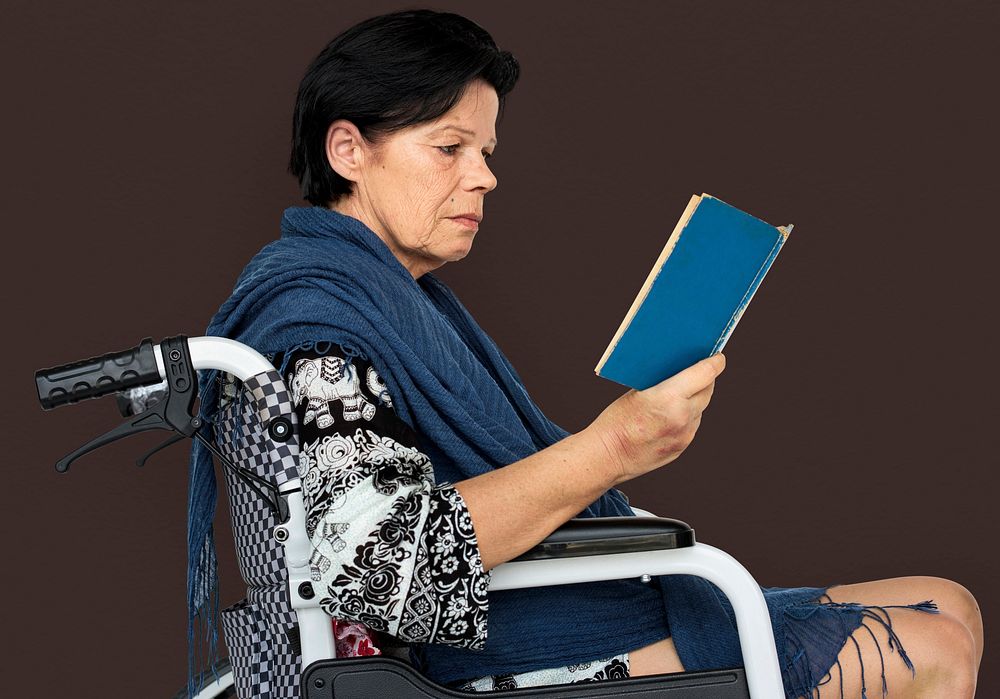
point(421, 189)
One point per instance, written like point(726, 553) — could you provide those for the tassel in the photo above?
point(799, 668)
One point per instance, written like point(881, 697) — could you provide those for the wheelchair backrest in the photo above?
point(260, 631)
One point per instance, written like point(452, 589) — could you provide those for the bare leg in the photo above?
point(949, 596)
point(945, 648)
point(655, 659)
point(942, 647)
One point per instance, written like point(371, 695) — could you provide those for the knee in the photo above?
point(954, 672)
point(955, 599)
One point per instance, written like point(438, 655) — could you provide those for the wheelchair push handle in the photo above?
point(98, 376)
point(176, 360)
point(117, 372)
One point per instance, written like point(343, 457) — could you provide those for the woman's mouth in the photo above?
point(470, 223)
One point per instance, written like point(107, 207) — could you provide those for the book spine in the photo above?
point(748, 296)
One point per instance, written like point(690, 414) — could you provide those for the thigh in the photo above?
point(872, 660)
point(655, 659)
point(862, 662)
point(661, 657)
point(928, 639)
point(949, 596)
point(871, 665)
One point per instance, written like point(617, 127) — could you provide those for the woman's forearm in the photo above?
point(515, 507)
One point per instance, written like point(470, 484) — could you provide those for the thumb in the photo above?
point(696, 377)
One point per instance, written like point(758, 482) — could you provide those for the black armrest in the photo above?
point(592, 536)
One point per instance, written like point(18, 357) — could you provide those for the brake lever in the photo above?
point(175, 413)
point(149, 420)
point(141, 461)
point(172, 414)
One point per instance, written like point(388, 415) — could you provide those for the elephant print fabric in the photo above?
point(326, 379)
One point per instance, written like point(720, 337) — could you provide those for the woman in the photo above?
point(426, 463)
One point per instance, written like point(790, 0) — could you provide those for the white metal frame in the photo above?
point(316, 632)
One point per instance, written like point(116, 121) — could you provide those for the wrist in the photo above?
point(608, 454)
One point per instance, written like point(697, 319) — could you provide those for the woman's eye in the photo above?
point(449, 150)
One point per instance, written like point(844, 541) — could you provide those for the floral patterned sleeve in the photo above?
point(392, 549)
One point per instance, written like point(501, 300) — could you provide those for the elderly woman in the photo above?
point(425, 461)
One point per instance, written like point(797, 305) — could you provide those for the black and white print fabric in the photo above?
point(391, 549)
point(613, 668)
point(322, 381)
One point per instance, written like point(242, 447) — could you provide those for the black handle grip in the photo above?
point(99, 376)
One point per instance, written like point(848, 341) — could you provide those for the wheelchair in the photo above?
point(582, 550)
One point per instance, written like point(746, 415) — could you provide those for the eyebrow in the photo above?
point(467, 132)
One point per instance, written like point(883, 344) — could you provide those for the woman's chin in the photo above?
point(464, 249)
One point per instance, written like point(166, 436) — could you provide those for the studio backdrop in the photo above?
point(852, 436)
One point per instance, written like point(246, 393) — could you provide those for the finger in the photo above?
point(696, 377)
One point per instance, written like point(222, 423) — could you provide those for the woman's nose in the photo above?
point(480, 176)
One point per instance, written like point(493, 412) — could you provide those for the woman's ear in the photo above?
point(344, 149)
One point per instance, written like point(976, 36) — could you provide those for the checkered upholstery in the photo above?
point(272, 400)
point(256, 628)
point(249, 650)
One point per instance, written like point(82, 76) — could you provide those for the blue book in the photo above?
point(695, 294)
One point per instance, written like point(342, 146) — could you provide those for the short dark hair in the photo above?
point(384, 74)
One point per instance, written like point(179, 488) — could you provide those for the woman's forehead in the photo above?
point(474, 115)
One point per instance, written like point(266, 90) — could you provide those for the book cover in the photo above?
point(696, 293)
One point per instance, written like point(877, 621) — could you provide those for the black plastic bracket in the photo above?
point(380, 676)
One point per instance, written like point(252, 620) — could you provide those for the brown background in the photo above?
point(851, 438)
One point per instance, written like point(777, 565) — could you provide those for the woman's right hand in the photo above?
point(644, 430)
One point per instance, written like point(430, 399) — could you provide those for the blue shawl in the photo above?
point(330, 278)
